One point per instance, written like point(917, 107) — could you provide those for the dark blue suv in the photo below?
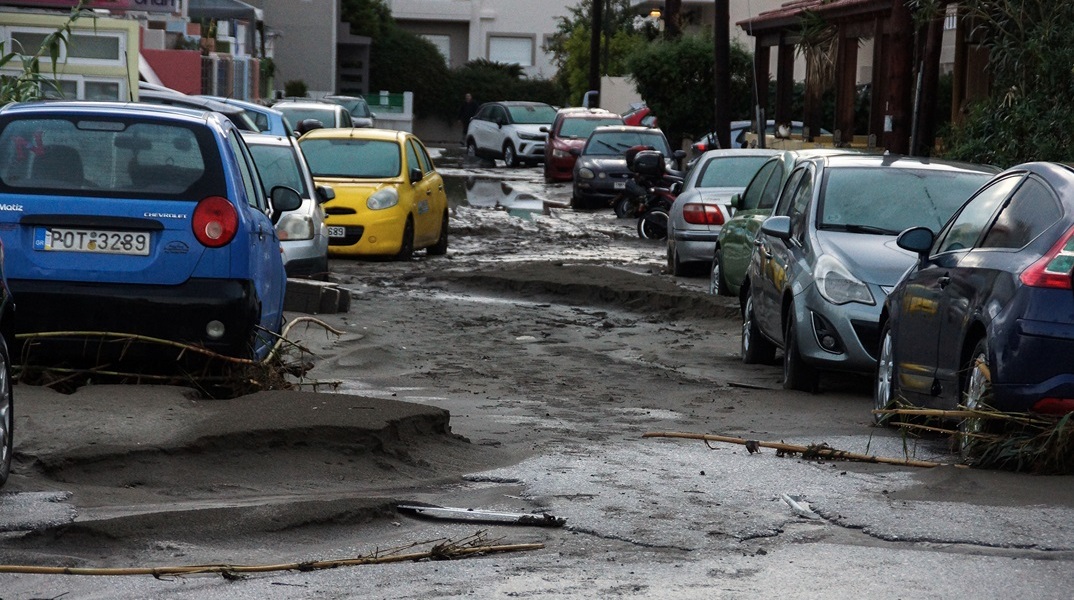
point(139, 219)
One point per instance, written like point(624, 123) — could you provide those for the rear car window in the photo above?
point(361, 159)
point(278, 165)
point(581, 128)
point(112, 157)
point(327, 115)
point(730, 172)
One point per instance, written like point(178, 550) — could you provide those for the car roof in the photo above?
point(266, 139)
point(243, 104)
point(360, 133)
point(628, 129)
point(88, 107)
point(741, 152)
point(519, 103)
point(900, 161)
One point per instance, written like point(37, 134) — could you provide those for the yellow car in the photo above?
point(390, 200)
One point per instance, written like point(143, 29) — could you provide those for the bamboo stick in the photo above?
point(438, 552)
point(813, 451)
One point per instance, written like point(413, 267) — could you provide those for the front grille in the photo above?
point(340, 210)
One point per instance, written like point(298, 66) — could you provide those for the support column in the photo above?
point(784, 82)
point(899, 79)
point(846, 66)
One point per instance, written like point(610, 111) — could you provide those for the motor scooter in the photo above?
point(661, 186)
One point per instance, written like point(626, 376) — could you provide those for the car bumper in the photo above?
point(530, 150)
point(305, 258)
point(694, 246)
point(178, 313)
point(373, 233)
point(558, 169)
point(855, 328)
point(1032, 363)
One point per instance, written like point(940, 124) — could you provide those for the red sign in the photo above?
point(165, 6)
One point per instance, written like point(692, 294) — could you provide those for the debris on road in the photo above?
point(483, 516)
point(813, 451)
point(800, 508)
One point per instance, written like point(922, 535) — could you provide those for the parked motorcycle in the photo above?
point(661, 186)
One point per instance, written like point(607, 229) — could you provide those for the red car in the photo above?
point(639, 115)
point(569, 131)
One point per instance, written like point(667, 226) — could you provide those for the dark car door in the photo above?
point(931, 296)
point(984, 280)
point(777, 257)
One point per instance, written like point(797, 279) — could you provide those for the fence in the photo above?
point(230, 76)
point(393, 111)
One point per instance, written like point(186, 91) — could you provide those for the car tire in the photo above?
point(653, 225)
point(756, 348)
point(510, 157)
point(797, 375)
point(976, 394)
point(623, 205)
point(885, 386)
point(7, 413)
point(406, 247)
point(717, 281)
point(471, 148)
point(441, 245)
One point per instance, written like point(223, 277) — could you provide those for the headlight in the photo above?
point(837, 285)
point(385, 198)
point(531, 136)
point(557, 153)
point(585, 173)
point(295, 227)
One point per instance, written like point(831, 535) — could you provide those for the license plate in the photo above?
point(336, 231)
point(620, 185)
point(60, 239)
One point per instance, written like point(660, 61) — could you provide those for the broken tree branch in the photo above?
point(811, 451)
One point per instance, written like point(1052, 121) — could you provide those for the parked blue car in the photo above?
point(986, 315)
point(268, 120)
point(140, 219)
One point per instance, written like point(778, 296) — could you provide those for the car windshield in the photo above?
point(297, 114)
point(612, 143)
point(278, 165)
point(581, 128)
point(729, 171)
point(348, 157)
point(356, 106)
point(532, 114)
point(118, 157)
point(889, 200)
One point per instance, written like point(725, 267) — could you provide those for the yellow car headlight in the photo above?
point(382, 199)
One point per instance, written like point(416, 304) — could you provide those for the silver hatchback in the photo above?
point(303, 234)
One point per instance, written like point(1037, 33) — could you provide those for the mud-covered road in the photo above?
point(517, 374)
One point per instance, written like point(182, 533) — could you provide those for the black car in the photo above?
point(601, 173)
point(7, 414)
point(986, 315)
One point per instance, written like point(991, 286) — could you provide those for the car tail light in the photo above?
point(701, 147)
point(1054, 406)
point(1053, 269)
point(702, 214)
point(215, 221)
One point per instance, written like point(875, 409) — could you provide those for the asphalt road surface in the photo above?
point(515, 376)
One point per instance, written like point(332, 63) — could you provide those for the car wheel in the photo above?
point(509, 155)
point(885, 389)
point(7, 413)
point(976, 395)
point(797, 375)
point(717, 282)
point(623, 206)
point(440, 247)
point(653, 225)
point(675, 266)
point(756, 349)
point(406, 248)
point(471, 148)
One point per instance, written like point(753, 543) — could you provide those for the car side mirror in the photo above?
point(543, 129)
point(576, 152)
point(283, 199)
point(917, 240)
point(415, 176)
point(779, 226)
point(325, 193)
point(736, 202)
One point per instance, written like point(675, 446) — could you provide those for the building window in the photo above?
point(81, 48)
point(442, 43)
point(511, 50)
point(78, 87)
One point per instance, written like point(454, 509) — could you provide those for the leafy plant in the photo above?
point(295, 88)
point(30, 83)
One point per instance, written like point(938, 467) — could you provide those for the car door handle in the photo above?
point(943, 281)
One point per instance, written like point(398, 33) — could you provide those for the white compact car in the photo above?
point(510, 131)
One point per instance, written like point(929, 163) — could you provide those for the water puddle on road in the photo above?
point(519, 198)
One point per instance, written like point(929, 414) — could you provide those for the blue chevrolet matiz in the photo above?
point(140, 219)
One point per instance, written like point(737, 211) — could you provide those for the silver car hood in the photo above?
point(870, 257)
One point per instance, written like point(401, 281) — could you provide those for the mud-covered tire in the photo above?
point(406, 247)
point(797, 375)
point(441, 245)
point(510, 156)
point(717, 280)
point(653, 225)
point(885, 384)
point(623, 206)
point(755, 347)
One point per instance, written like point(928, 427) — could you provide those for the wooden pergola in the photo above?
point(894, 94)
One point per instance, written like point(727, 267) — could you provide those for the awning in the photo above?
point(223, 9)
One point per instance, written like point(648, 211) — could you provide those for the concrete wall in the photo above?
point(306, 48)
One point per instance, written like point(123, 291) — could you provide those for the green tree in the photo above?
point(1030, 112)
point(622, 34)
point(675, 77)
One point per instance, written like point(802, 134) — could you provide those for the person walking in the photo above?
point(467, 112)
